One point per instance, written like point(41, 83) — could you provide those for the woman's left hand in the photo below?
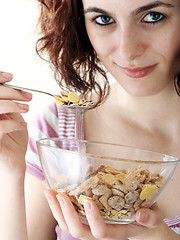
point(149, 222)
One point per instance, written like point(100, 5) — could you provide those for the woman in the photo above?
point(138, 42)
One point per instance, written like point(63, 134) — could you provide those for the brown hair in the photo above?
point(66, 46)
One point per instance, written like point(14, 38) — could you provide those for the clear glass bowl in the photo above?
point(120, 179)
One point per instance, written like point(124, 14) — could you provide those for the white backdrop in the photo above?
point(18, 20)
point(18, 35)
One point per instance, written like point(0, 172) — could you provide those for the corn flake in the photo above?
point(148, 192)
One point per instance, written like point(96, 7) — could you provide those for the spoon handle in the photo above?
point(76, 110)
point(28, 89)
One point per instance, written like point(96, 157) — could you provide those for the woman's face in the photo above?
point(138, 41)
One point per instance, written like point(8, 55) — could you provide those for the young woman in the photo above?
point(138, 43)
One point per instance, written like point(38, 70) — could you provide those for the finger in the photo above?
point(8, 106)
point(5, 77)
point(150, 218)
point(12, 94)
point(98, 227)
point(56, 209)
point(10, 125)
point(75, 226)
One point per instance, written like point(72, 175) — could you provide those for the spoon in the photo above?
point(78, 111)
point(43, 92)
point(28, 89)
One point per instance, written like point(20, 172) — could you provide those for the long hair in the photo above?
point(66, 46)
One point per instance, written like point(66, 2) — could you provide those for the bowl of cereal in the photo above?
point(120, 179)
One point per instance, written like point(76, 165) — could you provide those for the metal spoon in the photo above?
point(28, 89)
point(78, 111)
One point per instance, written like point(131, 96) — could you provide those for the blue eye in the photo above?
point(103, 20)
point(153, 17)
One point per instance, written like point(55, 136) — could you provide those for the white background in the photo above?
point(18, 35)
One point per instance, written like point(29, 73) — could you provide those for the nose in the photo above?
point(131, 43)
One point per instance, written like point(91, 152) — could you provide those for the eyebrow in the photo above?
point(152, 5)
point(95, 9)
point(135, 12)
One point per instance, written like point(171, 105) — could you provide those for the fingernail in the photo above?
point(48, 196)
point(23, 107)
point(24, 124)
point(143, 217)
point(60, 199)
point(87, 204)
point(7, 75)
point(27, 95)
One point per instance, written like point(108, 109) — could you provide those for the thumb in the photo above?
point(150, 218)
point(45, 184)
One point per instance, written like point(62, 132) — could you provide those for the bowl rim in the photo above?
point(173, 160)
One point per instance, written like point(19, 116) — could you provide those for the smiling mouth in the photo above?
point(138, 72)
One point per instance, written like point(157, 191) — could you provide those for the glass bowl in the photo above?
point(120, 179)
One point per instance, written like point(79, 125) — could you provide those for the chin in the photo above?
point(142, 91)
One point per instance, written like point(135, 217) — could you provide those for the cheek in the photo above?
point(173, 55)
point(101, 46)
point(168, 48)
point(100, 43)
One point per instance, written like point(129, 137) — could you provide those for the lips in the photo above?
point(139, 72)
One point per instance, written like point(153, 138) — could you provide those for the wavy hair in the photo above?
point(66, 46)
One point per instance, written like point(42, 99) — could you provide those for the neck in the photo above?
point(149, 111)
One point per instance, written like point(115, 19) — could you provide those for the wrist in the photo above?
point(15, 172)
point(166, 233)
point(161, 232)
point(10, 181)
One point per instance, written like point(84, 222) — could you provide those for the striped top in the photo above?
point(56, 122)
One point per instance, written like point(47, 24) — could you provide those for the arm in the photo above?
point(12, 209)
point(40, 221)
point(13, 146)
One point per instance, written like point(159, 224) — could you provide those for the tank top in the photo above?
point(55, 122)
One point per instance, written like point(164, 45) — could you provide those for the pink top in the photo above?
point(55, 122)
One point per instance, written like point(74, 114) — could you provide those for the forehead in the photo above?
point(126, 5)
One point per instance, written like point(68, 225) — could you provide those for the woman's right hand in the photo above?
point(13, 128)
